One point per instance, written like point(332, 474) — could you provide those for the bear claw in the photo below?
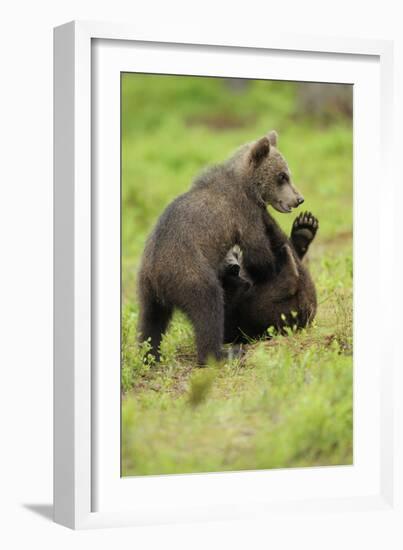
point(305, 221)
point(303, 232)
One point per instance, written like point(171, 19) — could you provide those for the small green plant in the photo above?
point(201, 383)
point(136, 358)
point(344, 322)
point(271, 332)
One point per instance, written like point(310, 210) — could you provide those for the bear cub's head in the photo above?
point(271, 176)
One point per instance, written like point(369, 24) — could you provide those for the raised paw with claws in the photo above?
point(303, 232)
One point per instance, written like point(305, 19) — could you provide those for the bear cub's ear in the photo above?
point(273, 138)
point(260, 150)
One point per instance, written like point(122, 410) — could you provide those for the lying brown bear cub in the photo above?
point(288, 299)
point(182, 263)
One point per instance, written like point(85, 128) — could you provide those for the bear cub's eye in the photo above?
point(282, 177)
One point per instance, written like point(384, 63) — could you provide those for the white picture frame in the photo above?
point(88, 490)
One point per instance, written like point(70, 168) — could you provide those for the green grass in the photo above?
point(288, 402)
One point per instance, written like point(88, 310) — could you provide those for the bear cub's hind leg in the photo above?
point(205, 310)
point(153, 322)
point(303, 232)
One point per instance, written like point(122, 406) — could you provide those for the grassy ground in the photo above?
point(288, 402)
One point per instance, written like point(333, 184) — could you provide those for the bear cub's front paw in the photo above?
point(305, 225)
point(303, 232)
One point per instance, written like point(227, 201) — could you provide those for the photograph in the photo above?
point(236, 274)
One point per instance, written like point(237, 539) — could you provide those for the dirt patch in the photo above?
point(339, 238)
point(174, 381)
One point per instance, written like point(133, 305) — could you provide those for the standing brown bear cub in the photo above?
point(183, 257)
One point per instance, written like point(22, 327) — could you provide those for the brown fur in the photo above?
point(287, 299)
point(181, 264)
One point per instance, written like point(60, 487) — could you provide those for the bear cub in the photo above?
point(288, 299)
point(183, 257)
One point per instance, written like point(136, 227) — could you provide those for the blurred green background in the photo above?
point(288, 402)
